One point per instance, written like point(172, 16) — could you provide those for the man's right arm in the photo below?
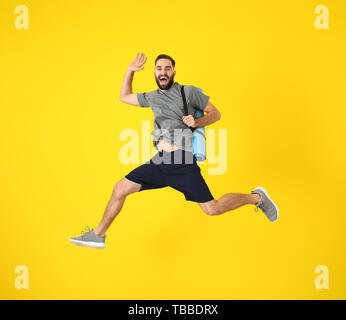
point(126, 94)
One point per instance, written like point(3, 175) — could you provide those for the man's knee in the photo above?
point(210, 207)
point(125, 187)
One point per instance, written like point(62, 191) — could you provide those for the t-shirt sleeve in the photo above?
point(198, 99)
point(142, 100)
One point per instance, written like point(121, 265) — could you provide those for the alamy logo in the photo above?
point(322, 280)
point(129, 152)
point(22, 280)
point(22, 20)
point(322, 20)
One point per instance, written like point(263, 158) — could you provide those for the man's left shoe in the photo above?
point(266, 204)
point(89, 239)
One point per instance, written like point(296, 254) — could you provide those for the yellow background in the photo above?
point(280, 86)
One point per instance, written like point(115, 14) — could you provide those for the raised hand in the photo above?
point(137, 64)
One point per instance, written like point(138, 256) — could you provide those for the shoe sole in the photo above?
point(89, 244)
point(266, 193)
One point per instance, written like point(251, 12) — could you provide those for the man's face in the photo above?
point(164, 73)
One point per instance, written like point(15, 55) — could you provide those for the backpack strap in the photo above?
point(184, 100)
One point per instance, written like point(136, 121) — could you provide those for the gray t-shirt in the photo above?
point(168, 108)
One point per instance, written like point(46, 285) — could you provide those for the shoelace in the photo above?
point(86, 230)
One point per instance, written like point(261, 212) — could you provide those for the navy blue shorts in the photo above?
point(177, 169)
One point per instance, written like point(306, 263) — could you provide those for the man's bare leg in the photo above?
point(228, 202)
point(121, 190)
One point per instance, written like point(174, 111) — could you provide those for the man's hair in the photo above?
point(164, 56)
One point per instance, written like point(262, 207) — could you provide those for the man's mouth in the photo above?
point(163, 79)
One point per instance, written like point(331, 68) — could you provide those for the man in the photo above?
point(174, 164)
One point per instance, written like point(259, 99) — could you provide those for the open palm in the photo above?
point(137, 64)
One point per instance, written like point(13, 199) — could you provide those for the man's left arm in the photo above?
point(212, 115)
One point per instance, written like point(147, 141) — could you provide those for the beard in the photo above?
point(166, 85)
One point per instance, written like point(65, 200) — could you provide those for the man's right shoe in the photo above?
point(89, 239)
point(266, 204)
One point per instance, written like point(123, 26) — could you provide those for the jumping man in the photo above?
point(174, 164)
